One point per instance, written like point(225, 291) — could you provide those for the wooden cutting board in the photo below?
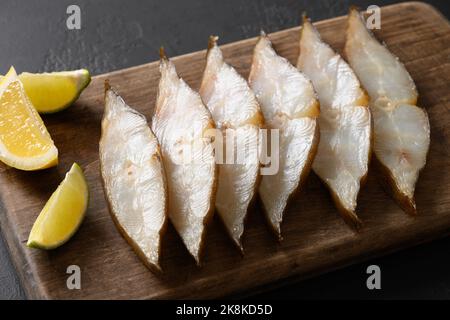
point(316, 240)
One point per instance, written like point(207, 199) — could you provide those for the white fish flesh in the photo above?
point(133, 178)
point(345, 122)
point(181, 123)
point(289, 105)
point(236, 113)
point(401, 129)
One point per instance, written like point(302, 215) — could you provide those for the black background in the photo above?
point(121, 33)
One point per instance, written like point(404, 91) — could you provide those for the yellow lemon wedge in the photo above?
point(55, 91)
point(24, 140)
point(63, 212)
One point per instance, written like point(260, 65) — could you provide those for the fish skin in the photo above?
point(289, 104)
point(181, 120)
point(393, 101)
point(133, 178)
point(234, 109)
point(345, 122)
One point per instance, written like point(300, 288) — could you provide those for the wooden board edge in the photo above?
point(426, 7)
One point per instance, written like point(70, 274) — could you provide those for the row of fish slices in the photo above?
point(401, 130)
point(284, 108)
point(187, 190)
point(340, 157)
point(285, 98)
point(289, 104)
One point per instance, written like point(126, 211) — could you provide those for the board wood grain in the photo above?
point(316, 239)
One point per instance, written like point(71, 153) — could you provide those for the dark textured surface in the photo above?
point(118, 34)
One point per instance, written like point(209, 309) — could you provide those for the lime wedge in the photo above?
point(55, 91)
point(63, 212)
